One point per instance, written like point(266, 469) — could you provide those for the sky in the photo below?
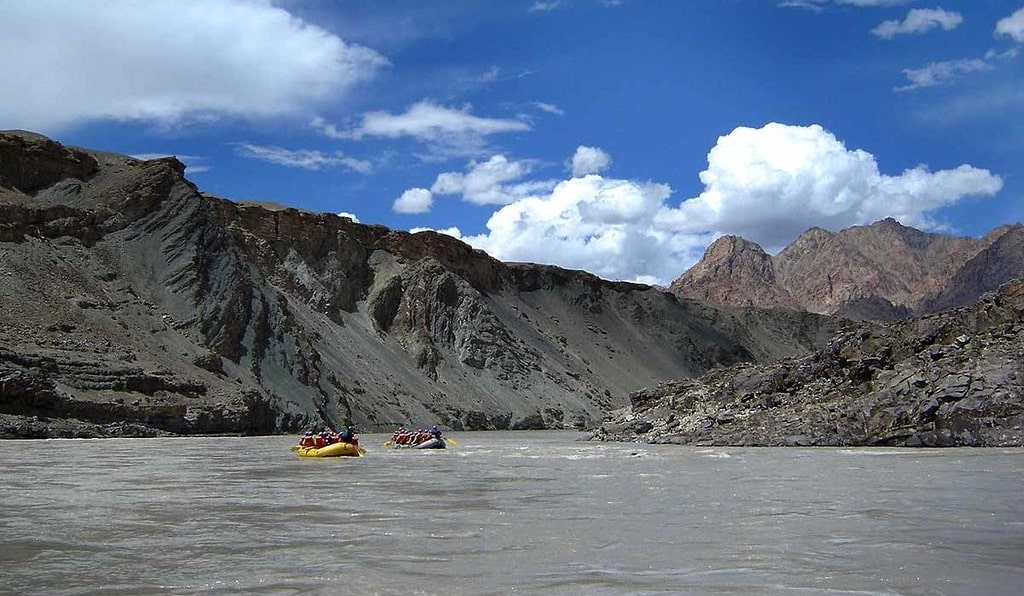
point(616, 136)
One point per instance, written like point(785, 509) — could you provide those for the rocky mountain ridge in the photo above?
point(131, 303)
point(950, 379)
point(883, 271)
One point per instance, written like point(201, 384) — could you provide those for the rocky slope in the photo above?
point(883, 271)
point(949, 379)
point(133, 304)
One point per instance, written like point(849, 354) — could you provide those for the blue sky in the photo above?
point(616, 136)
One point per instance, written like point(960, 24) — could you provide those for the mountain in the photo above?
point(1002, 259)
point(734, 272)
point(132, 303)
point(950, 379)
point(883, 271)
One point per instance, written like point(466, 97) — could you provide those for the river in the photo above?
point(506, 513)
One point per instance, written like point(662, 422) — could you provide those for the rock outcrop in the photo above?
point(884, 271)
point(949, 379)
point(131, 303)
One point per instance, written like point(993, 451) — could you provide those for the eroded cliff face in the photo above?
point(949, 379)
point(133, 304)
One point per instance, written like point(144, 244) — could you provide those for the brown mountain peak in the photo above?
point(733, 272)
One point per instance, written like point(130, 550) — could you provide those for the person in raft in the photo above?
point(435, 432)
point(348, 435)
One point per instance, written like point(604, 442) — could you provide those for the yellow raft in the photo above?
point(332, 450)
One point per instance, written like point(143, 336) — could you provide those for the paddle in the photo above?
point(362, 452)
point(451, 442)
point(296, 447)
point(388, 443)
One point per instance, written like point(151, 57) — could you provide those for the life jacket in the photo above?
point(306, 441)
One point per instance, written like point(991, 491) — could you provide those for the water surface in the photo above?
point(506, 513)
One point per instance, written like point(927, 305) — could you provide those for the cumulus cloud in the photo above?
point(770, 184)
point(1012, 26)
point(165, 61)
point(604, 226)
point(307, 159)
point(496, 181)
point(919, 20)
point(589, 160)
point(940, 73)
point(767, 184)
point(348, 215)
point(414, 200)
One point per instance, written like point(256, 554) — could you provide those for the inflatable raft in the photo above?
point(332, 450)
point(432, 443)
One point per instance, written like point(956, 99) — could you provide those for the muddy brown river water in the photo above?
point(506, 513)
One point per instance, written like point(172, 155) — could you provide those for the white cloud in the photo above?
point(767, 184)
point(307, 159)
point(453, 231)
point(1013, 26)
point(165, 61)
point(589, 160)
point(874, 2)
point(543, 6)
point(770, 184)
point(449, 131)
point(351, 216)
point(819, 5)
point(490, 75)
point(1007, 54)
point(549, 108)
point(491, 182)
point(939, 73)
point(414, 200)
point(427, 121)
point(604, 226)
point(919, 20)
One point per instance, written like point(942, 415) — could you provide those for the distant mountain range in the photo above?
point(882, 271)
point(131, 303)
